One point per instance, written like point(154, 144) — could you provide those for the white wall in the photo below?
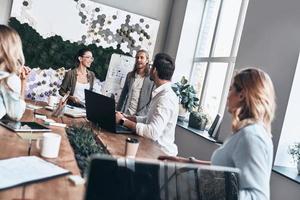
point(5, 7)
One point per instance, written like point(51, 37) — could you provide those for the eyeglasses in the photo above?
point(88, 57)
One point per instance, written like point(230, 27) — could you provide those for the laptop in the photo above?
point(125, 178)
point(24, 126)
point(100, 110)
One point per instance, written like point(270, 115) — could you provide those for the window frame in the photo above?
point(230, 61)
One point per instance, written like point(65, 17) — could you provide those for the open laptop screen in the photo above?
point(100, 110)
point(112, 178)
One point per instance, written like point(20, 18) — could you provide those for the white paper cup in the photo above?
point(50, 145)
point(132, 145)
point(53, 101)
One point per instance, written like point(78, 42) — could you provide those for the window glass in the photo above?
point(219, 34)
point(197, 77)
point(207, 28)
point(226, 29)
point(214, 87)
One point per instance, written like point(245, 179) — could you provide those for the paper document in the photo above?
point(71, 111)
point(26, 169)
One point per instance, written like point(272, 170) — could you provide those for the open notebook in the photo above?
point(27, 169)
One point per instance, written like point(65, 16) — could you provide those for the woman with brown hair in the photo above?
point(79, 78)
point(12, 88)
point(251, 102)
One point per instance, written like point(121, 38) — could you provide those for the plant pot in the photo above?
point(298, 166)
point(182, 114)
point(197, 121)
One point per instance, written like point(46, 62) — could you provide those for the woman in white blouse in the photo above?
point(12, 88)
point(79, 78)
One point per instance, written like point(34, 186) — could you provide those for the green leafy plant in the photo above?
point(294, 151)
point(84, 144)
point(186, 93)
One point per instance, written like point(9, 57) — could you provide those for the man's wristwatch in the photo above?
point(122, 121)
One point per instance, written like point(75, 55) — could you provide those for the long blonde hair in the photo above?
point(11, 53)
point(258, 104)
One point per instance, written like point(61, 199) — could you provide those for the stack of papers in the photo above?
point(71, 111)
point(27, 169)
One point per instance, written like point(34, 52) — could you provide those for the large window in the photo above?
point(291, 126)
point(216, 51)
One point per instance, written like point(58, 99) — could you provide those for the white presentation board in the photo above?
point(119, 67)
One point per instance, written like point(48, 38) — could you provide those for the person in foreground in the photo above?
point(12, 88)
point(159, 124)
point(251, 102)
point(136, 93)
point(79, 78)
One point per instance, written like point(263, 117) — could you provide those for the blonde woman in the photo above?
point(12, 88)
point(251, 102)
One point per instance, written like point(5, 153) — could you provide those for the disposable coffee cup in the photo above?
point(132, 145)
point(49, 147)
point(53, 101)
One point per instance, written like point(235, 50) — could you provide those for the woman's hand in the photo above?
point(24, 71)
point(74, 99)
point(173, 158)
point(184, 160)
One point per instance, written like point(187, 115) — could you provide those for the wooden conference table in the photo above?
point(11, 145)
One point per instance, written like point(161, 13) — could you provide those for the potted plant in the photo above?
point(84, 144)
point(199, 119)
point(294, 151)
point(187, 96)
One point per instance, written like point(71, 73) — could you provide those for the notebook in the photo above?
point(71, 111)
point(27, 169)
point(100, 110)
point(24, 126)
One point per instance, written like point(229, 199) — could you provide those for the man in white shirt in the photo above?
point(159, 125)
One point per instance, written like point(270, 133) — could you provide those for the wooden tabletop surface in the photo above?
point(61, 188)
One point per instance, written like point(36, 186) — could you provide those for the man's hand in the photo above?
point(119, 116)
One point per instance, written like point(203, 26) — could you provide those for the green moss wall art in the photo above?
point(53, 31)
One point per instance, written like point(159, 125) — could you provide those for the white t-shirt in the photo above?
point(136, 91)
point(79, 90)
